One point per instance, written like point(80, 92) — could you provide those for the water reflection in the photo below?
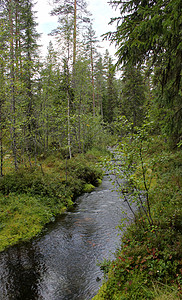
point(19, 273)
point(62, 264)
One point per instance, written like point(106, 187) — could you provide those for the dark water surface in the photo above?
point(62, 262)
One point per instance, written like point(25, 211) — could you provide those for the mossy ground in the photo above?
point(33, 196)
point(149, 263)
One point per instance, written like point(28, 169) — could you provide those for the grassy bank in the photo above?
point(32, 197)
point(149, 263)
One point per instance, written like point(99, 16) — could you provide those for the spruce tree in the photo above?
point(150, 32)
point(71, 10)
point(110, 98)
point(133, 97)
point(29, 52)
point(92, 43)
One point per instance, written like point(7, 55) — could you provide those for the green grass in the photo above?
point(32, 197)
point(23, 216)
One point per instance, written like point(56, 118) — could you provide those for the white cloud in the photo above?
point(101, 11)
point(46, 23)
point(43, 12)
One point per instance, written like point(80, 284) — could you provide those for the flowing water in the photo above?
point(62, 263)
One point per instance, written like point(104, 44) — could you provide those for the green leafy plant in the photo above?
point(133, 175)
point(149, 262)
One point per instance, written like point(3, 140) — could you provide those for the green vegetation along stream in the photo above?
point(62, 263)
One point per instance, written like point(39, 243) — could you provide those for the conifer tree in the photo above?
point(10, 8)
point(100, 84)
point(52, 103)
point(133, 98)
point(110, 98)
point(70, 10)
point(29, 52)
point(91, 43)
point(150, 31)
point(2, 88)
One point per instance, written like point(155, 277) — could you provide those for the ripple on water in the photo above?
point(62, 263)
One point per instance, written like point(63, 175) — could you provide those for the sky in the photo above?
point(101, 14)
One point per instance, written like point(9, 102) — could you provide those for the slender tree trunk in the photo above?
point(17, 39)
point(100, 102)
point(79, 126)
point(29, 107)
point(2, 99)
point(47, 132)
point(74, 37)
point(92, 72)
point(1, 146)
point(1, 137)
point(68, 118)
point(68, 106)
point(35, 147)
point(12, 76)
point(101, 109)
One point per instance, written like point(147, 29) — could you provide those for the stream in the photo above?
point(62, 263)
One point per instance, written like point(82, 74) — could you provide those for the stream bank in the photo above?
point(148, 264)
point(62, 263)
point(33, 197)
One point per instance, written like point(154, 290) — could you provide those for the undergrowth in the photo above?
point(34, 196)
point(149, 263)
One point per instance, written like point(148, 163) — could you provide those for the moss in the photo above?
point(100, 294)
point(31, 198)
point(88, 188)
point(62, 210)
point(98, 181)
point(70, 203)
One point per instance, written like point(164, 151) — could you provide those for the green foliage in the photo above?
point(94, 133)
point(88, 188)
point(81, 169)
point(22, 216)
point(111, 93)
point(133, 98)
point(32, 197)
point(149, 263)
point(47, 106)
point(31, 182)
point(165, 292)
point(133, 176)
point(150, 32)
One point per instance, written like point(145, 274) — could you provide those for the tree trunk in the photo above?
point(1, 136)
point(92, 72)
point(74, 38)
point(68, 118)
point(12, 76)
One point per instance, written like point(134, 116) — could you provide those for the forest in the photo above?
point(60, 113)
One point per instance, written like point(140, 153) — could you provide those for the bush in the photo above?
point(30, 198)
point(150, 255)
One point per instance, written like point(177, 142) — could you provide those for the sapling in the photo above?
point(130, 171)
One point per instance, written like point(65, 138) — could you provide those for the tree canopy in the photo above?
point(150, 33)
